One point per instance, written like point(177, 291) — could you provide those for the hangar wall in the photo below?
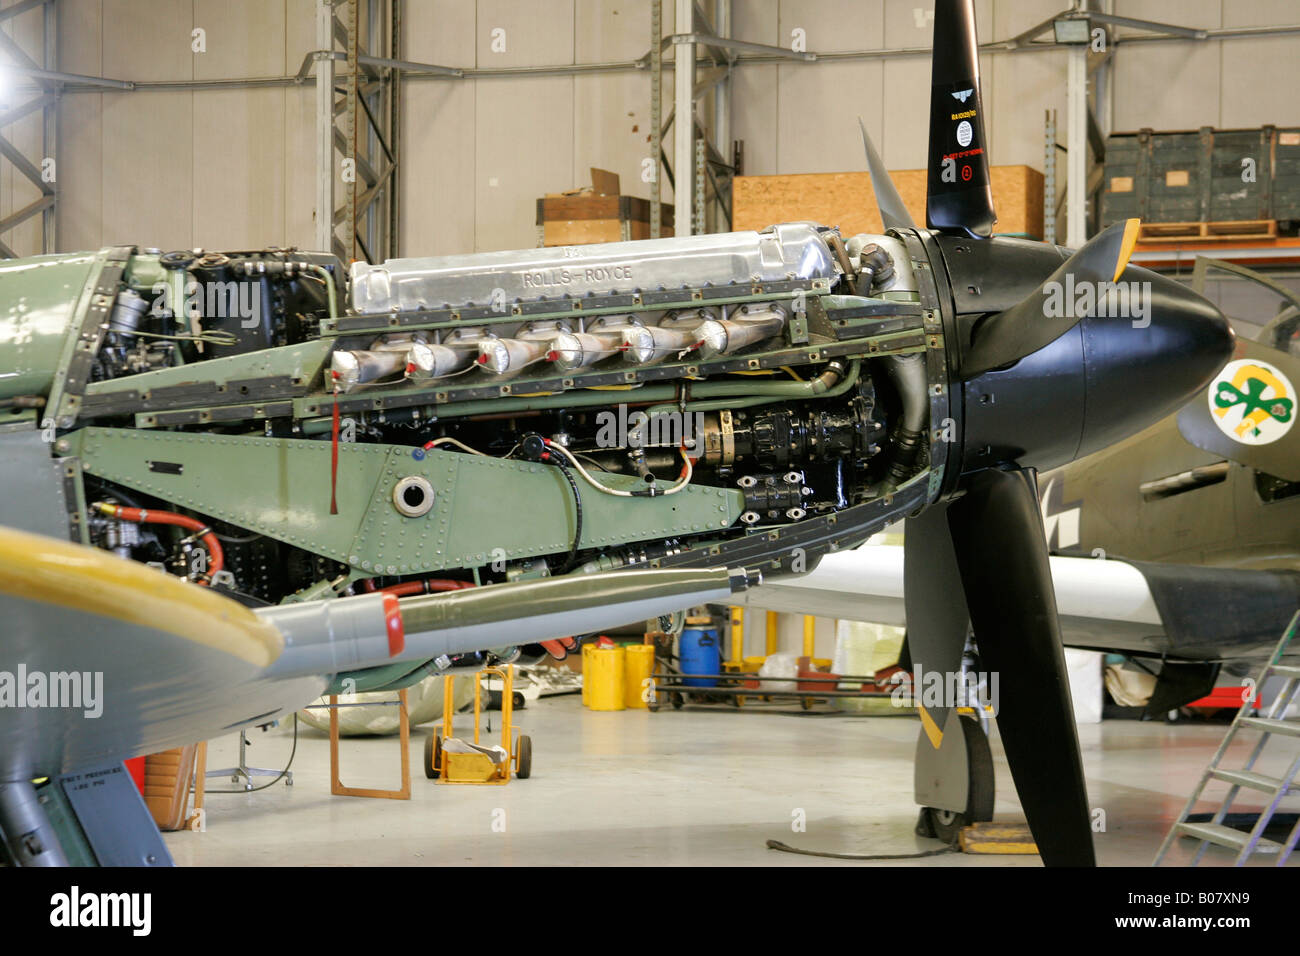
point(225, 169)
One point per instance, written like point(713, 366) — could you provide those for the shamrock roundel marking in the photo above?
point(1252, 402)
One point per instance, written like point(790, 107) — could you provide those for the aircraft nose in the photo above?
point(1142, 351)
point(1145, 361)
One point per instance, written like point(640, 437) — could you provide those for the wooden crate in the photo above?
point(1196, 176)
point(1207, 231)
point(847, 200)
point(586, 217)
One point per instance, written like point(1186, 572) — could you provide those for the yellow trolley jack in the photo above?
point(472, 763)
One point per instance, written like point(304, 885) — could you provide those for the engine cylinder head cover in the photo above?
point(788, 250)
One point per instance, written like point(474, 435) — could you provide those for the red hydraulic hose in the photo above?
point(408, 588)
point(216, 557)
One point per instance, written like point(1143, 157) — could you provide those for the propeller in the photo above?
point(1042, 377)
point(959, 200)
point(1032, 324)
point(893, 213)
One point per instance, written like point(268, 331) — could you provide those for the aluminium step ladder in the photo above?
point(1274, 723)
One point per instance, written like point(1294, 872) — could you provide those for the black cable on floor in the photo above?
point(778, 845)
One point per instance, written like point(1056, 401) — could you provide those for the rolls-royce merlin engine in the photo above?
point(270, 424)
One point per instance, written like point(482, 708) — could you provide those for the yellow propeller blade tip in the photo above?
point(1126, 249)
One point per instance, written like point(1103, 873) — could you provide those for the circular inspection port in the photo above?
point(413, 496)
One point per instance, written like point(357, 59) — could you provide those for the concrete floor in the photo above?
point(705, 785)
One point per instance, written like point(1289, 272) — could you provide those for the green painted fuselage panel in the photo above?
point(484, 509)
point(43, 296)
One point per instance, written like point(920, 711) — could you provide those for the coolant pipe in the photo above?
point(817, 387)
point(909, 377)
point(425, 586)
point(328, 279)
point(216, 557)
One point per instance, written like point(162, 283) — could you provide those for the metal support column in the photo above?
point(1049, 177)
point(394, 245)
point(46, 100)
point(684, 179)
point(722, 90)
point(50, 130)
point(364, 149)
point(656, 117)
point(1076, 202)
point(324, 125)
point(351, 241)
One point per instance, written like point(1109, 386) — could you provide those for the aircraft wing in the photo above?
point(1191, 613)
point(102, 658)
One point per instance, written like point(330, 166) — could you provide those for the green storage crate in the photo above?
point(1198, 176)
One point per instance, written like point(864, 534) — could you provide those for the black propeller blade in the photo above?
point(1033, 322)
point(892, 211)
point(997, 536)
point(937, 619)
point(959, 200)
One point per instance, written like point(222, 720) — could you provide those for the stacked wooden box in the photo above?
point(597, 213)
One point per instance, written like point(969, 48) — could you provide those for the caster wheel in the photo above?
point(677, 700)
point(806, 703)
point(432, 755)
point(288, 780)
point(518, 701)
point(946, 824)
point(524, 756)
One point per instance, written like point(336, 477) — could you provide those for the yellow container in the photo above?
point(603, 673)
point(638, 665)
point(586, 674)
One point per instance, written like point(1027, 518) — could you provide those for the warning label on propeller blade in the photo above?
point(957, 160)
